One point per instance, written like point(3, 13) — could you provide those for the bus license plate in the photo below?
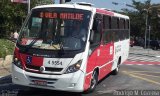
point(40, 82)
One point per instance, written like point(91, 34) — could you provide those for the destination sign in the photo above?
point(52, 15)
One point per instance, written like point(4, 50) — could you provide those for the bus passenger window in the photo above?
point(95, 34)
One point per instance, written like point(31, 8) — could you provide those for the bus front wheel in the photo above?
point(93, 82)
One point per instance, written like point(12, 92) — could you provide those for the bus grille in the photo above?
point(32, 67)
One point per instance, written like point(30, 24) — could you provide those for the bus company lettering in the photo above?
point(118, 49)
point(72, 16)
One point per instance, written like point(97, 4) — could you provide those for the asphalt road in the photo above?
point(132, 80)
point(131, 77)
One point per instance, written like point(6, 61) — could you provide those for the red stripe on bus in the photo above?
point(37, 61)
point(104, 12)
point(87, 81)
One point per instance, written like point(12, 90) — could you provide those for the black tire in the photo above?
point(94, 82)
point(116, 71)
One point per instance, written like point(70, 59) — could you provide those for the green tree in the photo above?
point(155, 24)
point(42, 2)
point(138, 19)
point(12, 15)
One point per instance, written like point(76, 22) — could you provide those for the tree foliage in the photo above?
point(138, 19)
point(12, 15)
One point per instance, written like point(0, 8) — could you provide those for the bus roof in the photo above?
point(110, 13)
point(72, 5)
point(84, 6)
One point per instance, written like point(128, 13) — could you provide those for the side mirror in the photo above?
point(95, 24)
point(91, 39)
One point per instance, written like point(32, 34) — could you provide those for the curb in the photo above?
point(5, 77)
point(1, 59)
point(144, 55)
point(6, 60)
point(2, 77)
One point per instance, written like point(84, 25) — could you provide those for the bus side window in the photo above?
point(96, 32)
point(107, 34)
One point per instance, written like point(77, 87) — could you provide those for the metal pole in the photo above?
point(53, 1)
point(62, 2)
point(149, 33)
point(29, 5)
point(145, 38)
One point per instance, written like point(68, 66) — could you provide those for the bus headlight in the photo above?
point(17, 62)
point(73, 68)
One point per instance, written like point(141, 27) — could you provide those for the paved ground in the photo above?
point(5, 69)
point(145, 52)
point(144, 60)
point(141, 56)
point(132, 80)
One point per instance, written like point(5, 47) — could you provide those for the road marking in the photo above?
point(129, 64)
point(142, 64)
point(158, 56)
point(145, 79)
point(147, 75)
point(141, 72)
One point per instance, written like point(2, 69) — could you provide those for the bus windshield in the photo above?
point(56, 28)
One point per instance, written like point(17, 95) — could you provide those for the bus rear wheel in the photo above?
point(115, 71)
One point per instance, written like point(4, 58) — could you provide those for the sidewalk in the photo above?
point(145, 52)
point(5, 65)
point(140, 56)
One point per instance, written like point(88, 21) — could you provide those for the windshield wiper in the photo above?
point(30, 45)
point(61, 46)
point(53, 45)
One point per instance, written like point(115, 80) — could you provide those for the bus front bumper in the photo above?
point(72, 82)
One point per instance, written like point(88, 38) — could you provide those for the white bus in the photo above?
point(69, 47)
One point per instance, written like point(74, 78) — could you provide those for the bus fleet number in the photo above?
point(55, 62)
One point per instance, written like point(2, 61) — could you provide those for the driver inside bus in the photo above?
point(49, 36)
point(79, 32)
